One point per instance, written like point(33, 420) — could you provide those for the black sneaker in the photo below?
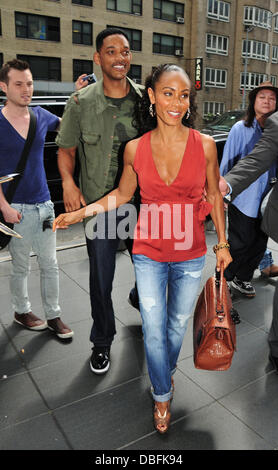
point(100, 360)
point(133, 298)
point(245, 287)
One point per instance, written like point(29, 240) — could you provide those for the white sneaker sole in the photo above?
point(100, 371)
point(33, 328)
point(62, 336)
point(242, 291)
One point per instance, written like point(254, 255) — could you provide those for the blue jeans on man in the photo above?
point(43, 243)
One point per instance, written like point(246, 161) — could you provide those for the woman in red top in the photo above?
point(174, 165)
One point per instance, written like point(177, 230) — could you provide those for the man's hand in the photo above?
point(73, 198)
point(223, 186)
point(11, 215)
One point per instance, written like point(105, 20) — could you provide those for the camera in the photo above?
point(91, 78)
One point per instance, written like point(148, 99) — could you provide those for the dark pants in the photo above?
point(102, 258)
point(273, 333)
point(247, 244)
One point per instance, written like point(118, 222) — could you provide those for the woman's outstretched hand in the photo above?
point(64, 220)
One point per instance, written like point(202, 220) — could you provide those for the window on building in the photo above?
point(43, 68)
point(276, 24)
point(213, 108)
point(86, 3)
point(1, 59)
point(274, 59)
point(81, 66)
point(168, 45)
point(82, 33)
point(253, 80)
point(255, 50)
point(125, 6)
point(169, 11)
point(134, 37)
point(216, 78)
point(217, 44)
point(257, 17)
point(135, 73)
point(29, 26)
point(218, 10)
point(273, 79)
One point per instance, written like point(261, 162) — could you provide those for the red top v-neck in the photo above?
point(171, 220)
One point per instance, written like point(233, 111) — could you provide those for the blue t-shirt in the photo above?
point(241, 141)
point(32, 188)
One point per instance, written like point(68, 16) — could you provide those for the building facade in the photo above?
point(237, 41)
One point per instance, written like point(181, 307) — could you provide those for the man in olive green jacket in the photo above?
point(97, 122)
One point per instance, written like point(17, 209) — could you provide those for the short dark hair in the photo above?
point(108, 32)
point(16, 64)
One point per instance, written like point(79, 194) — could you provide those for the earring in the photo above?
point(188, 112)
point(151, 110)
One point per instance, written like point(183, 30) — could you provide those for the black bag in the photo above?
point(4, 238)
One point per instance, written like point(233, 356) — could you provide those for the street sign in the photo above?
point(198, 73)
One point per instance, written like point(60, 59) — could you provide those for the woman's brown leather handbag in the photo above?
point(214, 334)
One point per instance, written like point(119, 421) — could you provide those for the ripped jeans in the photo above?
point(42, 241)
point(165, 317)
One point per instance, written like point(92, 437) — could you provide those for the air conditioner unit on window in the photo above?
point(180, 19)
point(178, 53)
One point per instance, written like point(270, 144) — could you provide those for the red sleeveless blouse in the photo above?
point(170, 226)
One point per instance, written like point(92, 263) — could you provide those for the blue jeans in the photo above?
point(43, 243)
point(266, 261)
point(165, 318)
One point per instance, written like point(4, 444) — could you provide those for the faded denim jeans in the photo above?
point(167, 293)
point(266, 261)
point(43, 243)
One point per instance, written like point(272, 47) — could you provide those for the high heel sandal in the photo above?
point(162, 422)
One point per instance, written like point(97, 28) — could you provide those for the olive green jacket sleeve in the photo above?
point(88, 123)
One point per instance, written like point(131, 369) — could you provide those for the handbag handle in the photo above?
point(219, 278)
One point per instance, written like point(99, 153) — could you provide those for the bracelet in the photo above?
point(219, 246)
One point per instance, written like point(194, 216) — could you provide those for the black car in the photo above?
point(55, 105)
point(223, 124)
point(220, 127)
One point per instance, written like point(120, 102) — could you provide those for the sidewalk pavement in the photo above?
point(50, 400)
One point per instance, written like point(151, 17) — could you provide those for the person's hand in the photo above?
point(11, 215)
point(70, 218)
point(223, 186)
point(80, 83)
point(73, 198)
point(223, 257)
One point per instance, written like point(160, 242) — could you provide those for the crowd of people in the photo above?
point(138, 152)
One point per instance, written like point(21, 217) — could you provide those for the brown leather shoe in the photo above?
point(59, 328)
point(30, 321)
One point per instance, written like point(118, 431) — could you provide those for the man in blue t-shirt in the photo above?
point(31, 207)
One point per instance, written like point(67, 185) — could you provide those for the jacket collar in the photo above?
point(97, 91)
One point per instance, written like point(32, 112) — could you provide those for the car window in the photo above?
point(226, 121)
